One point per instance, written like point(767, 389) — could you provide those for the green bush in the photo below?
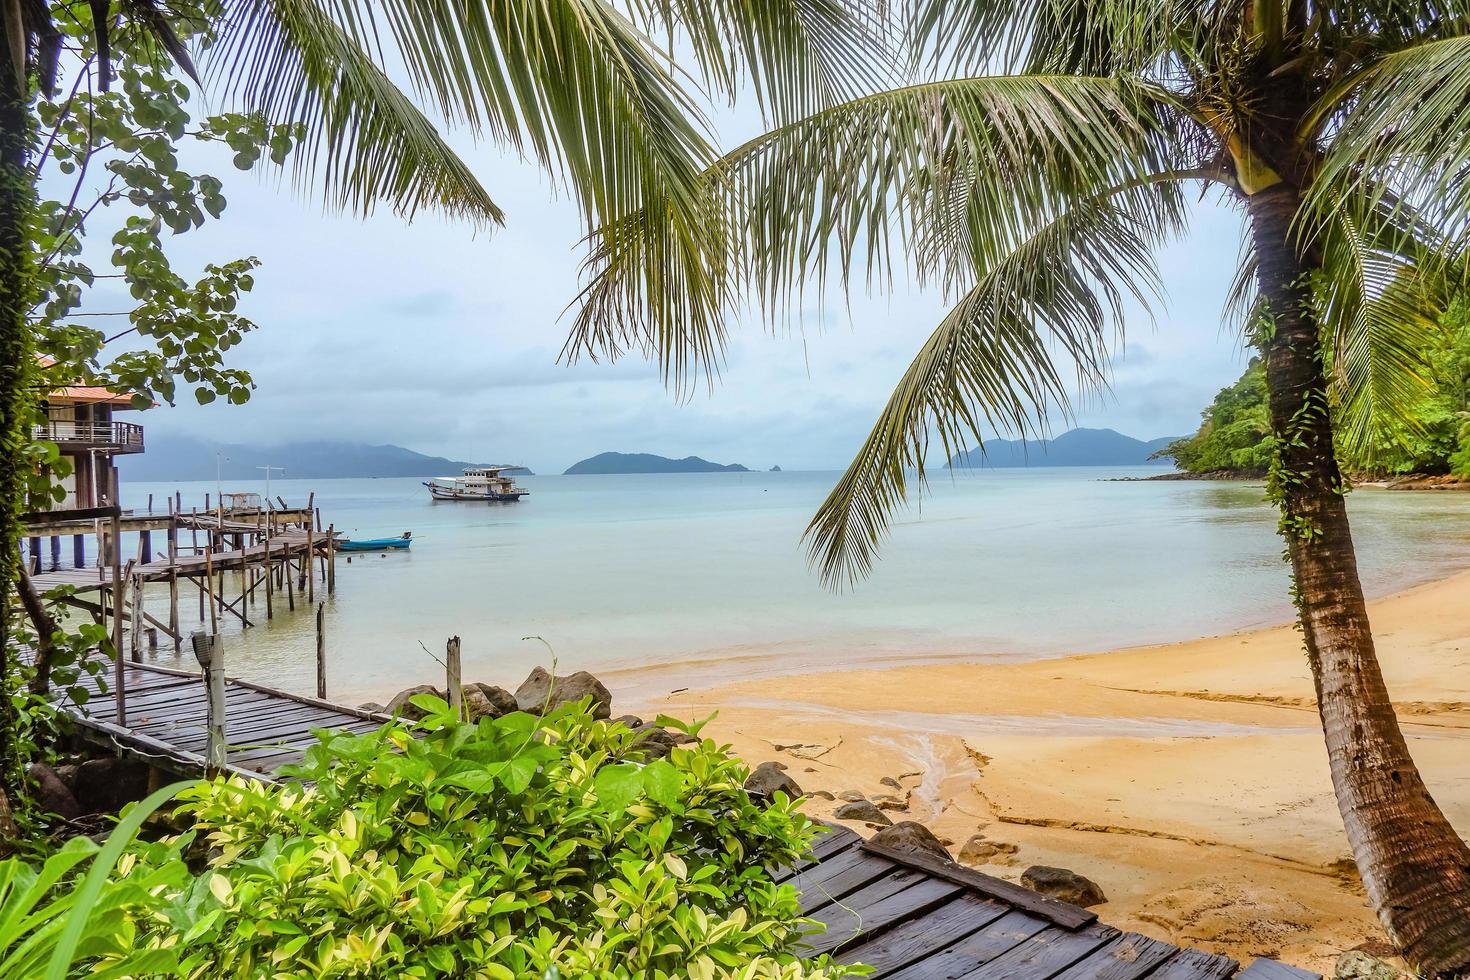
point(515, 847)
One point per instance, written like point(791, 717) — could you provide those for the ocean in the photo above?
point(604, 572)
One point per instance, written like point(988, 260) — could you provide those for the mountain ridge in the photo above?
point(612, 462)
point(1076, 447)
point(185, 459)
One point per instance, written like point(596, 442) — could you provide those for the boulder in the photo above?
point(821, 794)
point(862, 810)
point(52, 793)
point(540, 692)
point(1358, 965)
point(908, 835)
point(1063, 885)
point(372, 706)
point(851, 796)
point(501, 701)
point(476, 705)
point(629, 721)
point(400, 706)
point(978, 850)
point(656, 743)
point(884, 801)
point(105, 785)
point(768, 778)
point(890, 782)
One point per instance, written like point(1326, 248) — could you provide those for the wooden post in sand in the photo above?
point(321, 650)
point(331, 559)
point(452, 671)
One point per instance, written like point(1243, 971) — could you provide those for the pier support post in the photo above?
point(79, 550)
point(321, 650)
point(331, 559)
point(209, 650)
point(452, 670)
point(35, 556)
point(145, 542)
point(55, 551)
point(135, 637)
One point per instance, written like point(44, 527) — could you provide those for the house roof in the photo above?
point(85, 394)
point(916, 917)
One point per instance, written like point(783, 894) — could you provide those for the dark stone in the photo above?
point(908, 835)
point(978, 850)
point(891, 782)
point(372, 706)
point(476, 705)
point(541, 692)
point(104, 785)
point(52, 793)
point(769, 778)
point(68, 774)
point(821, 794)
point(630, 721)
point(1063, 885)
point(501, 701)
point(656, 743)
point(400, 706)
point(851, 796)
point(862, 810)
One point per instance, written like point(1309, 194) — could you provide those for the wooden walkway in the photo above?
point(164, 722)
point(915, 917)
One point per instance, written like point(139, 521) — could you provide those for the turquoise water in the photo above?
point(621, 570)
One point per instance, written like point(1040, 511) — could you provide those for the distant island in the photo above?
point(649, 463)
point(1079, 447)
point(186, 459)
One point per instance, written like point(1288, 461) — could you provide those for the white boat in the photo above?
point(478, 483)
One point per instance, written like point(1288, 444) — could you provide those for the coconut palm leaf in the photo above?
point(964, 170)
point(989, 367)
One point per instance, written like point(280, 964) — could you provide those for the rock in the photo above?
point(630, 721)
point(908, 835)
point(852, 796)
point(104, 785)
point(476, 705)
point(68, 775)
point(768, 778)
point(978, 850)
point(862, 810)
point(502, 702)
point(372, 706)
point(656, 743)
point(891, 782)
point(52, 793)
point(1358, 965)
point(885, 802)
point(821, 794)
point(541, 692)
point(400, 706)
point(1063, 885)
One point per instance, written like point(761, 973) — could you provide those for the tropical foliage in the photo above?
point(499, 849)
point(1432, 436)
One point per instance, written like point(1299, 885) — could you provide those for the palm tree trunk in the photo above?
point(17, 198)
point(1414, 865)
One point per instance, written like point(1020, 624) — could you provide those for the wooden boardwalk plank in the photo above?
point(1196, 964)
point(1045, 954)
point(870, 911)
point(1264, 969)
point(839, 876)
point(913, 940)
point(990, 941)
point(1127, 957)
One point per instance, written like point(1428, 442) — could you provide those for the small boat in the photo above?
point(375, 544)
point(478, 483)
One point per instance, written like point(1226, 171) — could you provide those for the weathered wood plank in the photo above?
point(838, 876)
point(1264, 969)
point(1196, 964)
point(917, 938)
point(1045, 954)
point(836, 840)
point(1060, 913)
point(991, 940)
point(1127, 957)
point(872, 910)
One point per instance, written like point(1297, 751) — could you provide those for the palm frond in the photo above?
point(1396, 138)
point(961, 170)
point(990, 364)
point(800, 56)
point(366, 142)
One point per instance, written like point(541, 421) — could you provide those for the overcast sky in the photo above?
point(432, 337)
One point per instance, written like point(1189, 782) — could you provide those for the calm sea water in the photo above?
point(620, 570)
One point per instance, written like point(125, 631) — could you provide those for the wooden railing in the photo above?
point(126, 436)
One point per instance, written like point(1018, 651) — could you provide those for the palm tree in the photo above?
point(1031, 160)
point(575, 84)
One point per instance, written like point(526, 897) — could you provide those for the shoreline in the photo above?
point(1187, 779)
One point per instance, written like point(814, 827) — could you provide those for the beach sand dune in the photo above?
point(1188, 780)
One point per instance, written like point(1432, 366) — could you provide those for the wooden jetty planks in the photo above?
point(991, 940)
point(1196, 964)
point(1128, 957)
point(1264, 969)
point(1045, 954)
point(917, 938)
point(875, 908)
point(839, 876)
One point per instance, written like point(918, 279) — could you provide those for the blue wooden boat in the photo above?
point(375, 544)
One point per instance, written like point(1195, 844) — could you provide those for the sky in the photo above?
point(428, 335)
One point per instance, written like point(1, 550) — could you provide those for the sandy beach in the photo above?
point(1188, 780)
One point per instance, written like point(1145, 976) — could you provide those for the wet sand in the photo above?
point(1188, 780)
